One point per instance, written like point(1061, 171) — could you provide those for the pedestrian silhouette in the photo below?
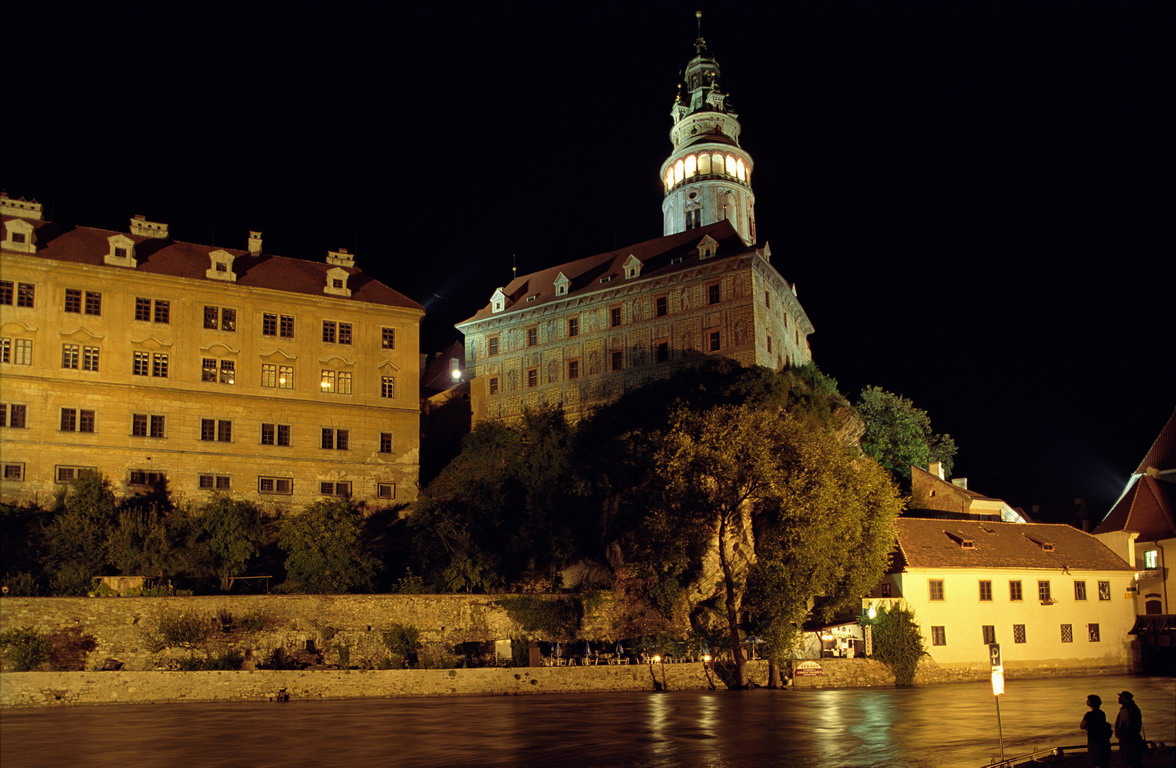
point(1129, 731)
point(1098, 732)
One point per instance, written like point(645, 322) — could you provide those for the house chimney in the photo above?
point(340, 258)
point(962, 482)
point(936, 468)
point(140, 226)
point(254, 243)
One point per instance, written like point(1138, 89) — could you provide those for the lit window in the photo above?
point(704, 164)
point(691, 166)
point(90, 358)
point(223, 371)
point(159, 364)
point(387, 386)
point(938, 636)
point(221, 318)
point(142, 364)
point(1151, 558)
point(741, 170)
point(731, 167)
point(679, 171)
point(716, 163)
point(935, 587)
point(70, 355)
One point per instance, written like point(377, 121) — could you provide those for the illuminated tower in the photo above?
point(707, 177)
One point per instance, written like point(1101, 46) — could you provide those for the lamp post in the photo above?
point(706, 662)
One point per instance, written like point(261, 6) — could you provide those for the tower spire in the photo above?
point(707, 177)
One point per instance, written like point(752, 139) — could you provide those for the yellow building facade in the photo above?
point(1052, 596)
point(204, 369)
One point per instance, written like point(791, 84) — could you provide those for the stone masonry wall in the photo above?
point(867, 673)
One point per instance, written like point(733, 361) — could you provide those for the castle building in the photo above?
point(579, 334)
point(202, 369)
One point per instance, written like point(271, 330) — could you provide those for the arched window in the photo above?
point(716, 163)
point(731, 170)
point(704, 164)
point(691, 166)
point(679, 171)
point(741, 169)
point(669, 178)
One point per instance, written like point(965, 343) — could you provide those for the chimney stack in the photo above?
point(254, 243)
point(936, 468)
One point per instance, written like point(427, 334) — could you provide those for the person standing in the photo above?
point(1098, 732)
point(1129, 731)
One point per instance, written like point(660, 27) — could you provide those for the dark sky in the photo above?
point(975, 199)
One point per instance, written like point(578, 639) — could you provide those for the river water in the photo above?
point(930, 727)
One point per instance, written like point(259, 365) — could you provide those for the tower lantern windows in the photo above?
point(717, 163)
point(691, 166)
point(732, 170)
point(741, 169)
point(679, 171)
point(669, 178)
point(704, 164)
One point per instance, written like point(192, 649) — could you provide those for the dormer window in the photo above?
point(20, 237)
point(632, 267)
point(1046, 546)
point(961, 540)
point(122, 252)
point(707, 247)
point(498, 301)
point(221, 266)
point(336, 284)
point(561, 284)
point(606, 279)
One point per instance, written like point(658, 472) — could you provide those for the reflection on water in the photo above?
point(936, 727)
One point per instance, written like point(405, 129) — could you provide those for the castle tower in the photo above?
point(707, 177)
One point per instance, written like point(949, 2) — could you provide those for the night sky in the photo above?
point(975, 199)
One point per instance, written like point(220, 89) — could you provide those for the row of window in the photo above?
point(266, 485)
point(988, 634)
point(158, 364)
point(78, 301)
point(154, 425)
point(707, 164)
point(937, 593)
point(616, 362)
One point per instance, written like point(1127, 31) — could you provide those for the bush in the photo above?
point(279, 659)
point(404, 642)
point(898, 643)
point(229, 660)
point(549, 619)
point(183, 630)
point(21, 585)
point(26, 648)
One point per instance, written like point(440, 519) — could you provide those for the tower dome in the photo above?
point(707, 177)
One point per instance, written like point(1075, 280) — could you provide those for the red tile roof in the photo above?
point(1162, 454)
point(937, 544)
point(655, 255)
point(1148, 508)
point(88, 245)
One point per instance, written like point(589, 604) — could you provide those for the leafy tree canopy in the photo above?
point(898, 434)
point(325, 550)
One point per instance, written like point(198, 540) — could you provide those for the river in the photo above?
point(929, 727)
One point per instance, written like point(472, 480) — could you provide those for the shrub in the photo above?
point(437, 656)
point(26, 648)
point(550, 619)
point(279, 659)
point(898, 643)
point(21, 585)
point(404, 642)
point(184, 630)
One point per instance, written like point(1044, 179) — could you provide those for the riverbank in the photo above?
point(49, 689)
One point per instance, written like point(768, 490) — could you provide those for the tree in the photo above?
point(898, 643)
point(74, 548)
point(505, 511)
point(228, 534)
point(325, 550)
point(799, 498)
point(898, 434)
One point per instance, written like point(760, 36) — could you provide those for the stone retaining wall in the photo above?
point(867, 673)
point(46, 689)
